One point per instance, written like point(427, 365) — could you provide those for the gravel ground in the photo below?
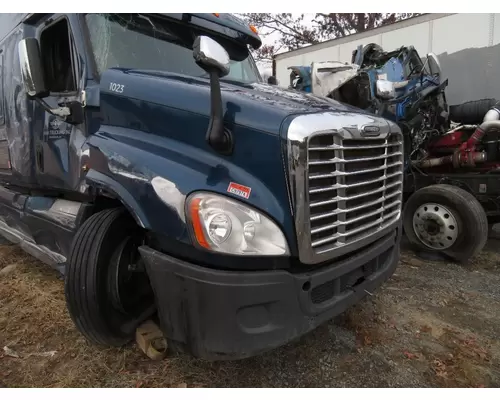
point(432, 324)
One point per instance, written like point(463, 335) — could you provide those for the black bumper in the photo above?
point(232, 315)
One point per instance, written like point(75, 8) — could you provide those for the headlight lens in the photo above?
point(227, 226)
point(385, 89)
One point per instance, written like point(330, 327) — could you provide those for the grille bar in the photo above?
point(340, 160)
point(356, 219)
point(354, 187)
point(338, 210)
point(362, 171)
point(340, 147)
point(357, 230)
point(337, 186)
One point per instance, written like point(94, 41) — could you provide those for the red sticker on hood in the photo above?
point(239, 190)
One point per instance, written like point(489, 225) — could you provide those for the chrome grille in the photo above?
point(354, 187)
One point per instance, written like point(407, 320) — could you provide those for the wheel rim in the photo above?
point(435, 226)
point(128, 285)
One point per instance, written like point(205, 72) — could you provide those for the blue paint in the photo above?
point(156, 126)
point(162, 133)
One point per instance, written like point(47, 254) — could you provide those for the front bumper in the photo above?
point(233, 315)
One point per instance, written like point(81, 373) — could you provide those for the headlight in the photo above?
point(224, 225)
point(387, 89)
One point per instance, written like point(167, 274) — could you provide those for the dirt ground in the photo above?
point(432, 324)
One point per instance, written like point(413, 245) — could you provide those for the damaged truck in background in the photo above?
point(452, 153)
point(143, 157)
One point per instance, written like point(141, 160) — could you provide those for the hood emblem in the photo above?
point(370, 130)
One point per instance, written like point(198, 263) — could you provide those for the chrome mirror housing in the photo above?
point(210, 55)
point(32, 68)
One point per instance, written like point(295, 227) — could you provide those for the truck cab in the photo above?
point(143, 157)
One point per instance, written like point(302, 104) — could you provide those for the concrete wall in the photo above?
point(468, 46)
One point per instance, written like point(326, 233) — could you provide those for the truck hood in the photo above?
point(327, 76)
point(257, 106)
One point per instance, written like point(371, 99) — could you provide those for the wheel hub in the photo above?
point(128, 285)
point(435, 226)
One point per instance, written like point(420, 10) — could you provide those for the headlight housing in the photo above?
point(224, 225)
point(387, 89)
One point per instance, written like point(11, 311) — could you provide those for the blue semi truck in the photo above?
point(143, 157)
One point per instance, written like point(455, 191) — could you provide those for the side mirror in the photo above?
point(210, 55)
point(434, 64)
point(213, 58)
point(34, 82)
point(32, 68)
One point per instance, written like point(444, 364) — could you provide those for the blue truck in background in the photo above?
point(143, 157)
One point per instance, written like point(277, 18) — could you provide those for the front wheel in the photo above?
point(107, 291)
point(446, 219)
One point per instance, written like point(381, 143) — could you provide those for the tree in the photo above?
point(292, 30)
point(295, 31)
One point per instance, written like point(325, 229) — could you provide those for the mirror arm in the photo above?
point(217, 135)
point(72, 113)
point(62, 112)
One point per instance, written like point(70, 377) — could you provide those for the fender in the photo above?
point(107, 183)
point(136, 166)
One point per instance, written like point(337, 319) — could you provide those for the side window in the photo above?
point(237, 71)
point(2, 99)
point(56, 53)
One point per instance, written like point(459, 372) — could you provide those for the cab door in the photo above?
point(57, 143)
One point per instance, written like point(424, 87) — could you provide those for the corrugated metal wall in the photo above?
point(468, 46)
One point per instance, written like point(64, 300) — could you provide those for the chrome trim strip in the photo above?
point(347, 125)
point(42, 253)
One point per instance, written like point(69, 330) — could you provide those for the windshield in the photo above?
point(140, 41)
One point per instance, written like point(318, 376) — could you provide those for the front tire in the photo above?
point(106, 293)
point(445, 219)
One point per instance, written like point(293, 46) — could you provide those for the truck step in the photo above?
point(41, 253)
